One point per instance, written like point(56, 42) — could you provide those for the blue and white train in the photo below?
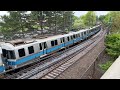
point(13, 55)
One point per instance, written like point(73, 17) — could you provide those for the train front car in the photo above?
point(2, 68)
point(9, 55)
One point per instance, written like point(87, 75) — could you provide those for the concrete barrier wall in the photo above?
point(114, 71)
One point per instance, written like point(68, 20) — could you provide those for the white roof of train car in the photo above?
point(9, 46)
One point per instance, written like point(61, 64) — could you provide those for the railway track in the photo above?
point(54, 71)
point(44, 68)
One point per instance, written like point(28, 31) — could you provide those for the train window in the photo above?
point(68, 38)
point(81, 34)
point(56, 43)
point(31, 49)
point(84, 33)
point(63, 39)
point(71, 37)
point(45, 45)
point(77, 35)
point(74, 36)
point(40, 46)
point(21, 52)
point(10, 54)
point(52, 43)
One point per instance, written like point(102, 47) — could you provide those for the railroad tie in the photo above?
point(51, 75)
point(47, 77)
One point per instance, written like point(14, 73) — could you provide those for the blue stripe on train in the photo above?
point(69, 43)
point(54, 48)
point(2, 68)
point(28, 58)
point(77, 39)
point(25, 59)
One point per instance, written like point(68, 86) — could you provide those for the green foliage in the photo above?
point(86, 20)
point(113, 45)
point(113, 19)
point(78, 23)
point(17, 21)
point(21, 21)
point(106, 65)
point(90, 18)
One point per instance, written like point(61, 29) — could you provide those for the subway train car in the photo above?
point(17, 53)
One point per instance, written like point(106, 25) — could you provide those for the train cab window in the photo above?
point(56, 43)
point(31, 49)
point(52, 43)
point(68, 39)
point(45, 45)
point(4, 52)
point(40, 46)
point(21, 52)
point(10, 54)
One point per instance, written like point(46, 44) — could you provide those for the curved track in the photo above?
point(56, 62)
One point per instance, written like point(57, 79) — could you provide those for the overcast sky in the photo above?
point(80, 13)
point(77, 13)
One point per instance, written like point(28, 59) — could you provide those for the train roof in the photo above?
point(20, 43)
point(11, 45)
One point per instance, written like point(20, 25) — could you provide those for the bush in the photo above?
point(106, 65)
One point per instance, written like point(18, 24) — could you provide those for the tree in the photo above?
point(112, 18)
point(38, 17)
point(16, 22)
point(90, 18)
point(20, 21)
point(78, 23)
point(113, 45)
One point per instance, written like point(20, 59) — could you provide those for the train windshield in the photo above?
point(9, 54)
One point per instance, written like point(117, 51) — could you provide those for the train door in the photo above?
point(62, 40)
point(44, 44)
point(82, 35)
